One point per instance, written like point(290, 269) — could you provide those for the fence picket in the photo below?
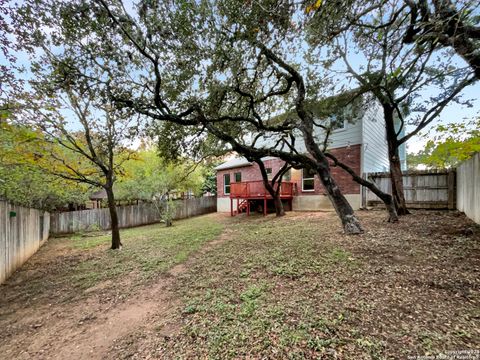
point(129, 216)
point(22, 232)
point(423, 189)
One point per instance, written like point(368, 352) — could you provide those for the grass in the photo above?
point(297, 288)
point(289, 288)
point(147, 250)
point(251, 305)
point(82, 261)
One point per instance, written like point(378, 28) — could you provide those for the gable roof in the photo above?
point(98, 195)
point(239, 162)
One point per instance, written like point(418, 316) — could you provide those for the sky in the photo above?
point(453, 113)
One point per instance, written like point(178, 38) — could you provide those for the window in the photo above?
point(337, 123)
point(226, 184)
point(238, 177)
point(269, 172)
point(308, 180)
point(287, 176)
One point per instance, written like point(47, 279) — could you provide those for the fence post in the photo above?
point(451, 189)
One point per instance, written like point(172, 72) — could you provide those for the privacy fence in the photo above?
point(129, 216)
point(22, 232)
point(468, 188)
point(432, 189)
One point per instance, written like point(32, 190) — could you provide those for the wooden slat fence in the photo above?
point(432, 189)
point(468, 188)
point(129, 216)
point(22, 232)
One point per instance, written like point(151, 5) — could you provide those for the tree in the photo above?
point(9, 69)
point(23, 180)
point(452, 144)
point(150, 178)
point(449, 24)
point(92, 156)
point(409, 81)
point(209, 184)
point(184, 64)
point(273, 185)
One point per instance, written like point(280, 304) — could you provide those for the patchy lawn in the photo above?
point(74, 280)
point(67, 266)
point(294, 287)
point(298, 288)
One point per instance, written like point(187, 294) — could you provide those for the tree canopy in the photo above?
point(24, 175)
point(210, 76)
point(452, 144)
point(148, 176)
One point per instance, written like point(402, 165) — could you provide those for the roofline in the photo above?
point(248, 163)
point(234, 166)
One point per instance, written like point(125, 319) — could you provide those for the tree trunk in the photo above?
point(350, 223)
point(396, 176)
point(277, 201)
point(168, 220)
point(386, 198)
point(389, 204)
point(116, 244)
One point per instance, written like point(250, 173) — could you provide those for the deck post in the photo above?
point(231, 207)
point(248, 207)
point(264, 206)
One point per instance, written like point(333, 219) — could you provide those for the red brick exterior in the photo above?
point(349, 155)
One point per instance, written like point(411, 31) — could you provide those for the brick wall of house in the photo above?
point(349, 155)
point(249, 173)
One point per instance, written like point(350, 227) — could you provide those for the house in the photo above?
point(360, 143)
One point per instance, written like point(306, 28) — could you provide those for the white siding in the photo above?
point(375, 149)
point(350, 135)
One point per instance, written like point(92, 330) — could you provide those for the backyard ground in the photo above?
point(221, 287)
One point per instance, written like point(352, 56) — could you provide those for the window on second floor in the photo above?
point(308, 180)
point(337, 123)
point(226, 184)
point(238, 177)
point(287, 176)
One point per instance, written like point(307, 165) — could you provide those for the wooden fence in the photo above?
point(128, 216)
point(22, 232)
point(468, 188)
point(430, 189)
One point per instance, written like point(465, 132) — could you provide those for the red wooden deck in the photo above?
point(255, 190)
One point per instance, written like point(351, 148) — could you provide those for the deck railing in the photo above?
point(256, 189)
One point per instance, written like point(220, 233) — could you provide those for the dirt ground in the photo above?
point(256, 287)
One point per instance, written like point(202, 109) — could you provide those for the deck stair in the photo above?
point(242, 206)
